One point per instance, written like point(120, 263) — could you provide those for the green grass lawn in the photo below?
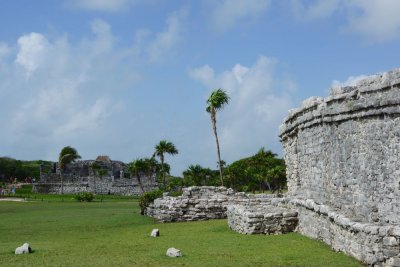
point(113, 233)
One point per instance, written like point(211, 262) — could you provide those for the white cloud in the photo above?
point(351, 81)
point(63, 92)
point(259, 102)
point(204, 74)
point(4, 50)
point(33, 48)
point(166, 41)
point(228, 13)
point(104, 5)
point(104, 38)
point(314, 9)
point(377, 21)
point(55, 92)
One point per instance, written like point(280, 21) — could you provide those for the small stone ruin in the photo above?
point(261, 219)
point(196, 203)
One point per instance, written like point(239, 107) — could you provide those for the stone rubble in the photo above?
point(155, 233)
point(174, 253)
point(24, 249)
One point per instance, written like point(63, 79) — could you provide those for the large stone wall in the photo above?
point(343, 168)
point(111, 177)
point(344, 150)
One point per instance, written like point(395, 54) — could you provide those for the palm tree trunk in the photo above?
point(162, 170)
point(214, 124)
point(140, 183)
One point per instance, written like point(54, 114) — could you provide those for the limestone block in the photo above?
point(25, 248)
point(173, 253)
point(390, 241)
point(155, 233)
point(394, 262)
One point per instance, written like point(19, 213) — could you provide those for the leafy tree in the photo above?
point(217, 100)
point(138, 168)
point(67, 155)
point(97, 169)
point(152, 167)
point(162, 148)
point(253, 173)
point(12, 168)
point(147, 198)
point(197, 175)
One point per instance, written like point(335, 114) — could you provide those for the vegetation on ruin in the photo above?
point(67, 155)
point(114, 234)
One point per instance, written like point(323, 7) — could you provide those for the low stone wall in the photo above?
point(202, 203)
point(259, 219)
point(196, 203)
point(376, 244)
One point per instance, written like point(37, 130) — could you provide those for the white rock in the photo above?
point(25, 248)
point(155, 233)
point(173, 252)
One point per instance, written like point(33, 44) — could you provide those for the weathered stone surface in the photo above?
point(261, 219)
point(81, 176)
point(25, 248)
point(155, 233)
point(201, 203)
point(173, 253)
point(342, 155)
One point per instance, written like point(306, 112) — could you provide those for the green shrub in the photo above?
point(147, 198)
point(84, 196)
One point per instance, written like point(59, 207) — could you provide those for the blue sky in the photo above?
point(114, 77)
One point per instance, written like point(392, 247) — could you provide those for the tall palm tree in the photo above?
point(164, 147)
point(67, 155)
point(217, 100)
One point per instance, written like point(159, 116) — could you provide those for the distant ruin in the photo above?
point(100, 176)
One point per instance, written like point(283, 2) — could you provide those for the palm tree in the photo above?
point(215, 102)
point(67, 155)
point(137, 168)
point(164, 147)
point(151, 170)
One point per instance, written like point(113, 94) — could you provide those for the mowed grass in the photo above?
point(115, 234)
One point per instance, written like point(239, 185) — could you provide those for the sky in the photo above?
point(114, 77)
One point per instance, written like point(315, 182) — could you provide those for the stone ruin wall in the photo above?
point(342, 155)
point(344, 151)
point(200, 203)
point(80, 177)
point(343, 164)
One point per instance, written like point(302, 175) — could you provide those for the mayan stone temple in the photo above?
point(343, 168)
point(100, 176)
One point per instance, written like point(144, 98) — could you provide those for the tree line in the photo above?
point(11, 169)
